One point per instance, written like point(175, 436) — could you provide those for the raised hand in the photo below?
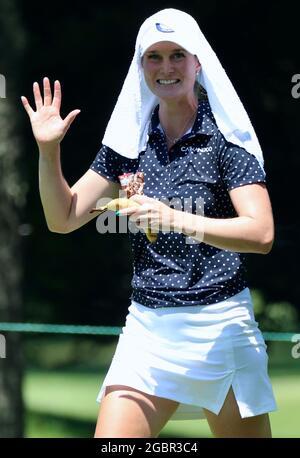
point(47, 125)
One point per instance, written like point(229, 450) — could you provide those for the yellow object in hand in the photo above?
point(119, 204)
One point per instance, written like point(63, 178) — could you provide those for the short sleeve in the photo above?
point(238, 167)
point(110, 164)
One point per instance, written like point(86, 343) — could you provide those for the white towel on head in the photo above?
point(127, 129)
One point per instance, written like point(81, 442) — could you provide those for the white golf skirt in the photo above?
point(193, 355)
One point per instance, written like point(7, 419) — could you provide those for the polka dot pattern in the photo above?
point(200, 168)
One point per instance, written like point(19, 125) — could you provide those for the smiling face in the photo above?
point(170, 71)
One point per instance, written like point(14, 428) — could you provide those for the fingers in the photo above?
point(37, 96)
point(57, 95)
point(142, 221)
point(128, 211)
point(140, 210)
point(141, 198)
point(26, 105)
point(39, 102)
point(47, 92)
point(70, 118)
point(55, 102)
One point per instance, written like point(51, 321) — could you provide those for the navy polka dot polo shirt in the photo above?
point(176, 270)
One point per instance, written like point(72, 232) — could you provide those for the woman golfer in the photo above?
point(190, 347)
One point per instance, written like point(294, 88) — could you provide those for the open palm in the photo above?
point(47, 124)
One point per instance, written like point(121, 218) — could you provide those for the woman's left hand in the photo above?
point(150, 214)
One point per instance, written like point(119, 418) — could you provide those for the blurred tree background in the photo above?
point(12, 202)
point(84, 277)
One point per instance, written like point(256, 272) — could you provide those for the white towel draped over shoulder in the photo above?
point(127, 129)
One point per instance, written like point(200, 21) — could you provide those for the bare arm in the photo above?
point(65, 208)
point(85, 193)
point(55, 192)
point(252, 231)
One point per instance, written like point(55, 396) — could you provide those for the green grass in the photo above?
point(62, 404)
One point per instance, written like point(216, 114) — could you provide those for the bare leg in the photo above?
point(127, 412)
point(230, 424)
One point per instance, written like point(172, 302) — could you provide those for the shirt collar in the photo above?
point(204, 124)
